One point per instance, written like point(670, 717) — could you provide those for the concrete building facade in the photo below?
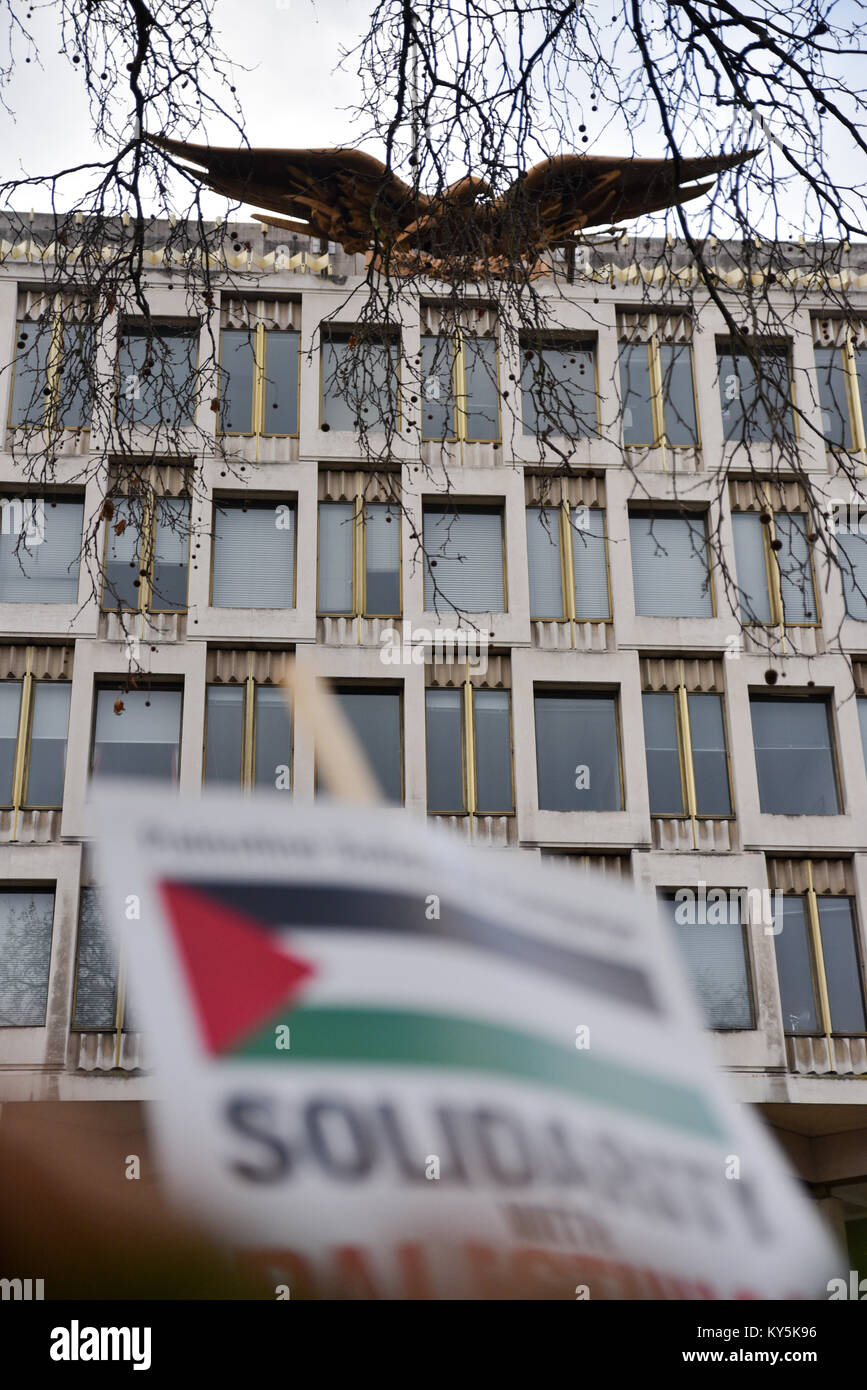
point(698, 775)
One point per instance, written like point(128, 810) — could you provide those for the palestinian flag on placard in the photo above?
point(248, 974)
point(237, 970)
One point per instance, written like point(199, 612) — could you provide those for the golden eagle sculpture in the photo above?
point(349, 197)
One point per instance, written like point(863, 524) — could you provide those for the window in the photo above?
point(577, 751)
point(568, 564)
point(254, 555)
point(40, 550)
point(460, 396)
point(464, 568)
point(146, 555)
point(687, 758)
point(862, 720)
point(774, 569)
point(101, 1004)
point(710, 936)
point(852, 559)
point(248, 739)
point(359, 558)
point(794, 756)
point(755, 393)
point(469, 751)
point(842, 372)
point(260, 379)
point(374, 715)
point(818, 965)
point(359, 381)
point(26, 923)
point(51, 384)
point(670, 566)
point(34, 721)
point(137, 733)
point(558, 389)
point(657, 393)
point(157, 374)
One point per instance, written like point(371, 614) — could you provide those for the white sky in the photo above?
point(291, 96)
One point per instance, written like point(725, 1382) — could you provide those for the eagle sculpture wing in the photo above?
point(338, 195)
point(569, 192)
point(344, 195)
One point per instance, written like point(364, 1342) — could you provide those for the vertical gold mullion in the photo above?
point(359, 558)
point(567, 564)
point(258, 383)
point(460, 390)
point(686, 744)
point(819, 958)
point(19, 770)
point(53, 365)
point(657, 404)
point(772, 569)
point(248, 753)
point(856, 415)
point(147, 548)
point(470, 747)
point(120, 1000)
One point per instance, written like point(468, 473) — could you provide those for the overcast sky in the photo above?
point(291, 94)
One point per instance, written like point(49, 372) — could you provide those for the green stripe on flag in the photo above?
point(392, 1037)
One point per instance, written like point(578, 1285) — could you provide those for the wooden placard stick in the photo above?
point(340, 758)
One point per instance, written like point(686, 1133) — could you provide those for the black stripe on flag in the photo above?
point(314, 906)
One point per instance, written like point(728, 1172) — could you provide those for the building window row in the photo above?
point(816, 944)
point(455, 382)
point(248, 742)
point(147, 545)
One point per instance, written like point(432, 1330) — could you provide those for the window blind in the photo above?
point(754, 599)
point(336, 529)
point(225, 733)
point(794, 972)
point(796, 574)
point(10, 705)
point(437, 391)
point(842, 967)
point(716, 961)
point(543, 550)
point(143, 740)
point(171, 549)
point(482, 404)
point(45, 569)
point(254, 556)
point(589, 567)
point(46, 764)
point(669, 567)
point(794, 762)
point(33, 341)
point(467, 548)
point(273, 750)
point(282, 353)
point(493, 745)
point(853, 572)
point(445, 769)
point(382, 558)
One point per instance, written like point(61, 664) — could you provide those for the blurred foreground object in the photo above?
point(398, 1066)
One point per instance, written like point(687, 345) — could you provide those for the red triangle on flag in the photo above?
point(236, 976)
